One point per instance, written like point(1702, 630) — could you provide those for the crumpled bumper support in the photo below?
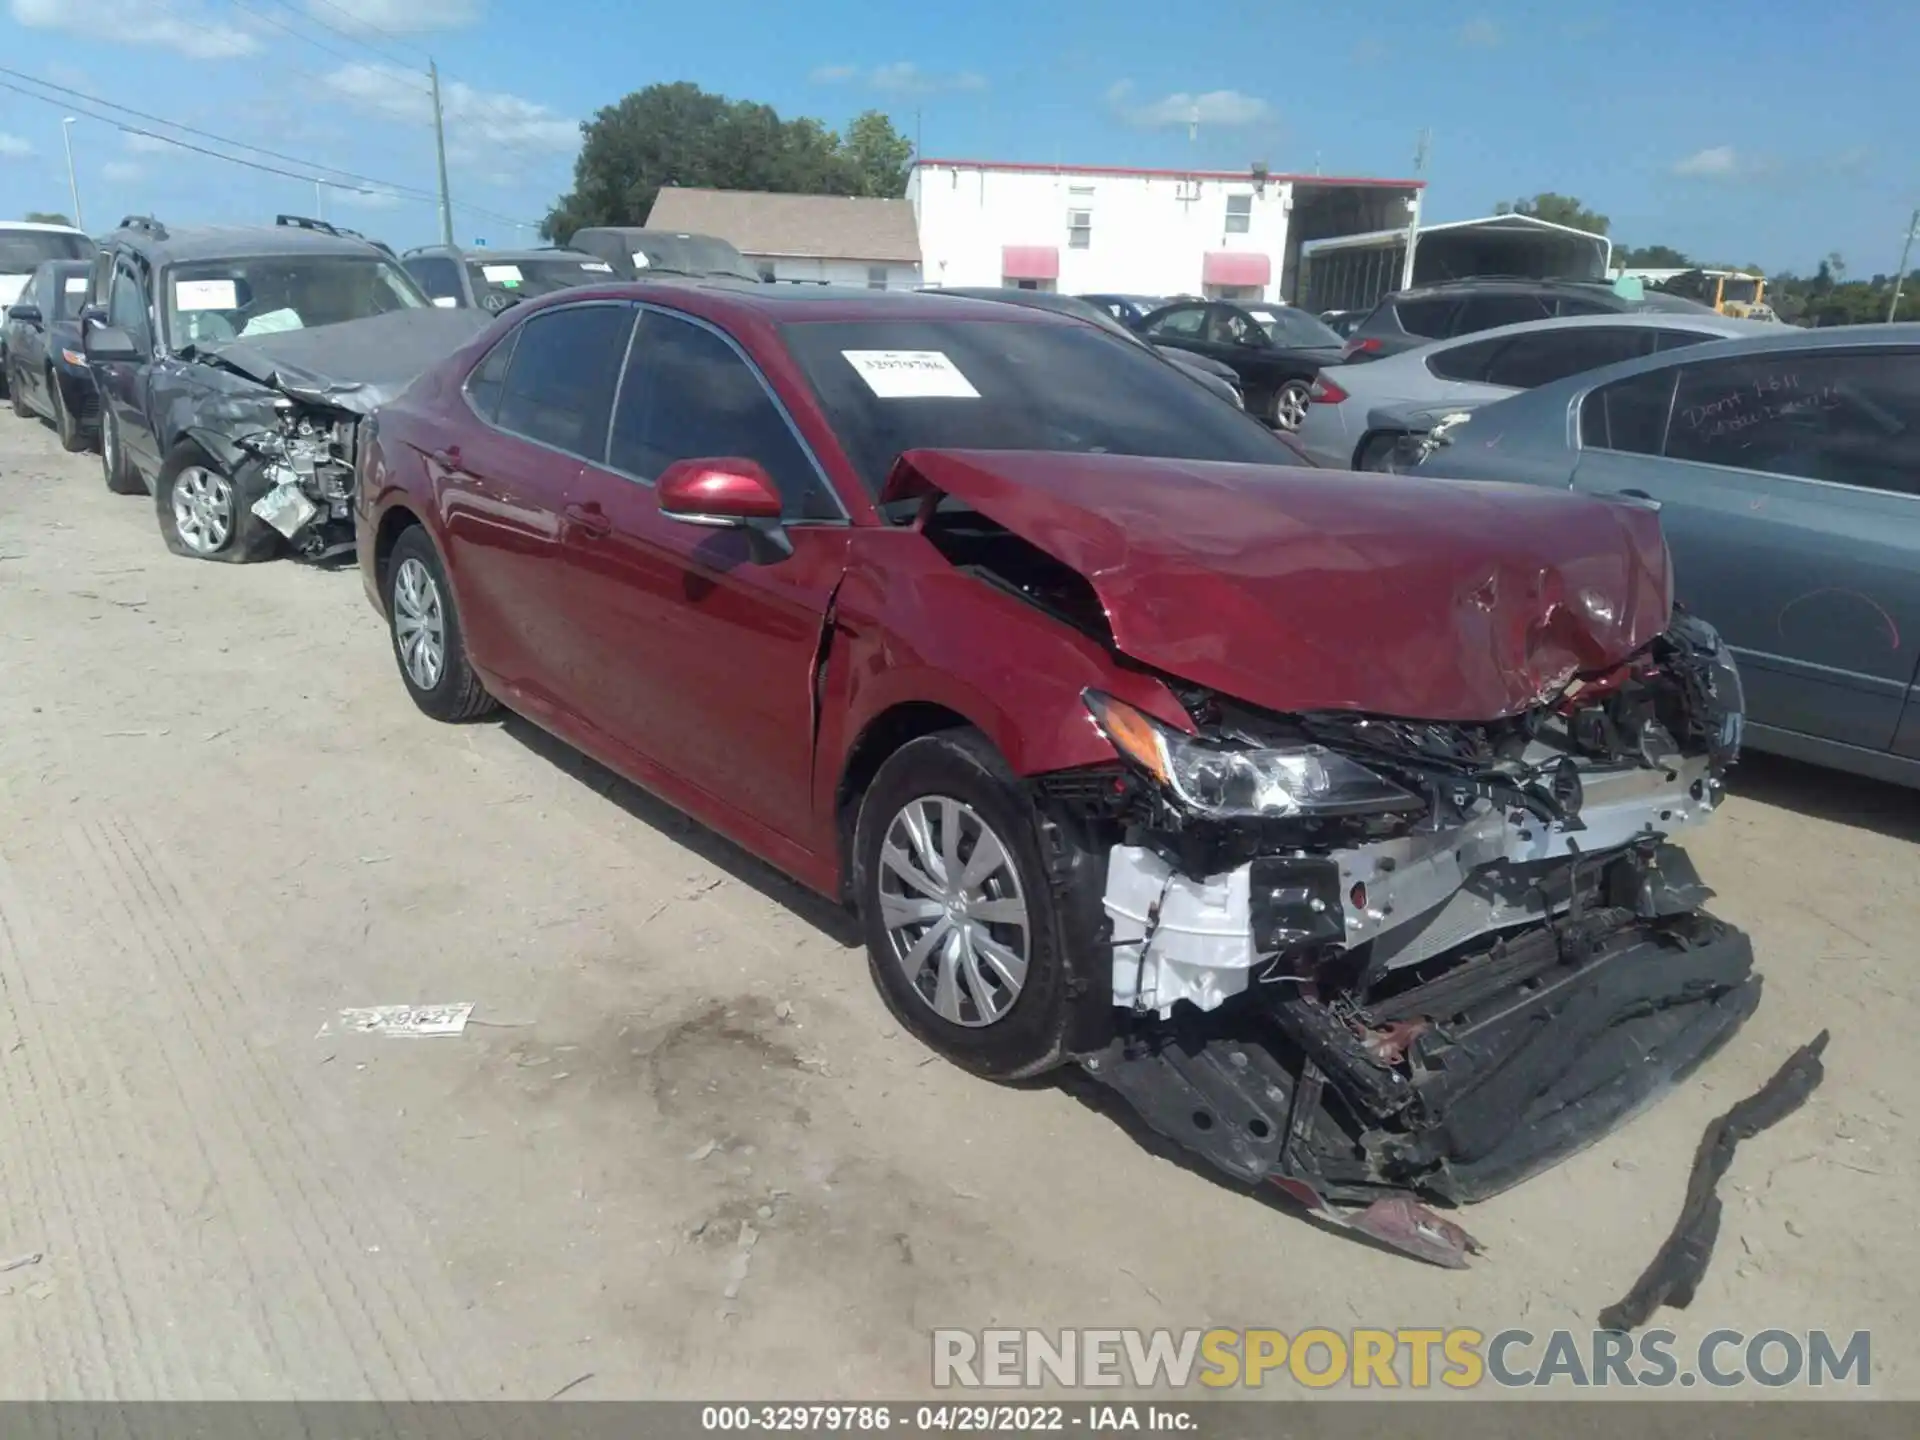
point(1455, 1088)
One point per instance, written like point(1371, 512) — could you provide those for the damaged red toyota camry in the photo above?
point(1324, 817)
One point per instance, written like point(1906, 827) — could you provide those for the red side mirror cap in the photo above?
point(727, 487)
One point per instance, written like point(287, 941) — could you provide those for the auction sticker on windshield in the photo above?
point(911, 375)
point(599, 265)
point(205, 295)
point(501, 274)
point(77, 284)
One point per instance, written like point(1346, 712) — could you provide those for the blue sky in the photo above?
point(1740, 132)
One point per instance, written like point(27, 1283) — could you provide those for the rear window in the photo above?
point(889, 386)
point(1484, 312)
point(1425, 317)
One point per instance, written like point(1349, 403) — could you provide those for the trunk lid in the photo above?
point(1325, 590)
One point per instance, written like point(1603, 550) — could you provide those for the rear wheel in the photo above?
point(428, 641)
point(72, 437)
point(962, 939)
point(1290, 405)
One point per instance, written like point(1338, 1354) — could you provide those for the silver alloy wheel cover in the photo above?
point(203, 509)
point(955, 915)
point(1290, 405)
point(419, 625)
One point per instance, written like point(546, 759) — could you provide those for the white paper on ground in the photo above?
point(407, 1020)
point(205, 295)
point(911, 374)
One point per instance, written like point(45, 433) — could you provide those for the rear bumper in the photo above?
point(1488, 1073)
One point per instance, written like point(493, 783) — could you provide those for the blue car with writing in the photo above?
point(1786, 470)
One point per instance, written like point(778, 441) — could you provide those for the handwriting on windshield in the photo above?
point(1755, 402)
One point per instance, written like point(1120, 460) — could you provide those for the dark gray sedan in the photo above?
point(1787, 474)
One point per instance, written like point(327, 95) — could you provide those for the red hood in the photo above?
point(1323, 590)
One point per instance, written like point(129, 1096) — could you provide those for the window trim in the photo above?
point(500, 429)
point(641, 307)
point(1229, 215)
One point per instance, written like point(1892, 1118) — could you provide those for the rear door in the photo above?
point(1788, 486)
point(543, 395)
point(698, 659)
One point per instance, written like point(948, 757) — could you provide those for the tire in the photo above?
point(958, 775)
point(1290, 405)
point(206, 514)
point(16, 396)
point(417, 596)
point(1376, 453)
point(121, 477)
point(72, 438)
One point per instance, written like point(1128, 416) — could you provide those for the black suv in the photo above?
point(235, 367)
point(493, 280)
point(1412, 318)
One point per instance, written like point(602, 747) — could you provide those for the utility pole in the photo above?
point(1420, 149)
point(1900, 279)
point(440, 148)
point(73, 180)
point(319, 201)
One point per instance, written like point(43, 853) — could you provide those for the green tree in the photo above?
point(1651, 257)
point(47, 217)
point(1556, 210)
point(879, 154)
point(679, 134)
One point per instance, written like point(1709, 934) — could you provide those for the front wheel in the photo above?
point(1290, 405)
point(204, 514)
point(1382, 453)
point(428, 641)
point(122, 478)
point(962, 938)
point(16, 394)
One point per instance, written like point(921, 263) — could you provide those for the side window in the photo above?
point(1541, 359)
point(437, 276)
point(1184, 323)
point(102, 284)
point(489, 377)
point(1629, 414)
point(1851, 417)
point(1429, 319)
point(1573, 305)
point(559, 383)
point(1483, 312)
point(1228, 326)
point(1466, 362)
point(1680, 339)
point(688, 395)
point(127, 309)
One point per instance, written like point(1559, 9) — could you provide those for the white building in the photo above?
point(1104, 230)
point(816, 239)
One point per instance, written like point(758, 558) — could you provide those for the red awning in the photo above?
point(1030, 262)
point(1236, 267)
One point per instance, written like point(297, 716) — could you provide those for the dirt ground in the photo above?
point(221, 821)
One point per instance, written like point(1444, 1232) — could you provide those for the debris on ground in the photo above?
point(20, 1262)
point(405, 1021)
point(703, 1151)
point(1681, 1264)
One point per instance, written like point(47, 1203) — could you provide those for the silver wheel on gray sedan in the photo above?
point(202, 509)
point(954, 913)
point(1290, 405)
point(419, 627)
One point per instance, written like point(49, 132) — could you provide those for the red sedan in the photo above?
point(1276, 798)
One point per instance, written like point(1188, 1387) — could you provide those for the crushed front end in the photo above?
point(1370, 959)
point(307, 466)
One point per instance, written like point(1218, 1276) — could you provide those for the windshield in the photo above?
point(525, 278)
point(894, 385)
point(1286, 326)
point(210, 300)
point(23, 251)
point(1742, 289)
point(690, 255)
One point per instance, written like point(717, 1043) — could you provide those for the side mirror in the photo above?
point(728, 493)
point(25, 314)
point(103, 344)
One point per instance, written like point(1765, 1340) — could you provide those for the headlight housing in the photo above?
point(1223, 780)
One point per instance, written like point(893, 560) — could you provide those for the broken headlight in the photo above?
point(1224, 780)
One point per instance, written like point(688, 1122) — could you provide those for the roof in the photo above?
point(823, 227)
point(1398, 235)
point(1024, 167)
point(236, 242)
point(41, 226)
point(786, 304)
point(485, 253)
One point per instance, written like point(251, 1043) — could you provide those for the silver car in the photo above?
point(1786, 469)
point(1360, 417)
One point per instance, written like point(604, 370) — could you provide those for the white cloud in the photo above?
point(121, 170)
point(1224, 108)
point(903, 77)
point(183, 26)
point(832, 74)
point(12, 147)
point(478, 121)
point(1715, 162)
point(396, 17)
point(146, 144)
point(365, 199)
point(1481, 33)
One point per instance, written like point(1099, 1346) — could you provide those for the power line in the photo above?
point(328, 175)
point(319, 44)
point(349, 36)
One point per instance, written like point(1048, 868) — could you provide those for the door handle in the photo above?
point(591, 519)
point(1642, 496)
